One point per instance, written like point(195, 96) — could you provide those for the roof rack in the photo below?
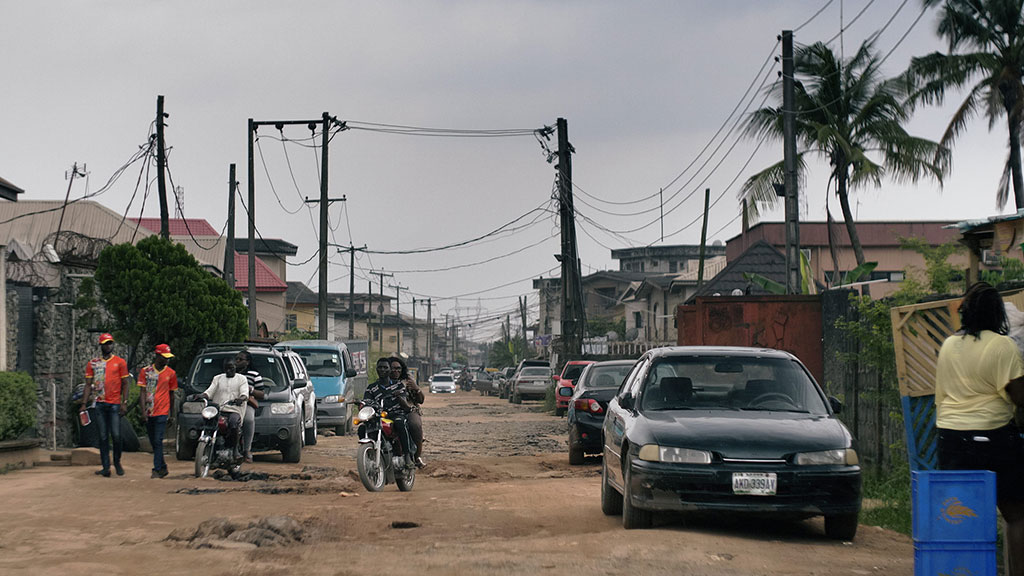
point(237, 345)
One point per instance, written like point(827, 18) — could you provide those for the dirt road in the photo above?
point(497, 497)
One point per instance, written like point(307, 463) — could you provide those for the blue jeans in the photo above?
point(109, 423)
point(155, 428)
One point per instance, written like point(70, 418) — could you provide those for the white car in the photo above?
point(442, 383)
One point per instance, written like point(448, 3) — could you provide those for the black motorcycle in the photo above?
point(377, 458)
point(212, 449)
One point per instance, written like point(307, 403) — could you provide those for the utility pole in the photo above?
point(703, 239)
point(252, 233)
point(522, 316)
point(789, 165)
point(380, 309)
point(398, 312)
point(352, 287)
point(229, 245)
point(161, 166)
point(573, 314)
point(324, 202)
point(430, 340)
point(414, 331)
point(67, 196)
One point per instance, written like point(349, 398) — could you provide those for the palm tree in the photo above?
point(845, 112)
point(990, 37)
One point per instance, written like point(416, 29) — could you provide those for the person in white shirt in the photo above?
point(229, 391)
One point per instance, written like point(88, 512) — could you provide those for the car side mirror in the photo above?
point(626, 402)
point(350, 373)
point(300, 383)
point(836, 404)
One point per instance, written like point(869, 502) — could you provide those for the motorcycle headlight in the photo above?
point(209, 411)
point(333, 399)
point(282, 408)
point(365, 413)
point(655, 453)
point(846, 456)
point(191, 407)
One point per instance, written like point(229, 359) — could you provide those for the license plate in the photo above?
point(754, 483)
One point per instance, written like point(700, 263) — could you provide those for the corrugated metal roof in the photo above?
point(33, 222)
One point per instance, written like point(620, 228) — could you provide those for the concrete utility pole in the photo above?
point(161, 166)
point(352, 287)
point(789, 165)
point(398, 311)
point(380, 309)
point(229, 244)
point(573, 315)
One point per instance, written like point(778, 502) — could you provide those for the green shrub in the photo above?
point(887, 498)
point(17, 404)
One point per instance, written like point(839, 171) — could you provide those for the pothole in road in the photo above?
point(311, 480)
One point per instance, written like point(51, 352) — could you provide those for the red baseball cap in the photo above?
point(164, 350)
point(106, 337)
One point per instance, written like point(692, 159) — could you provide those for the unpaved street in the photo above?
point(497, 497)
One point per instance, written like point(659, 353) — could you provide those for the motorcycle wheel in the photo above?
point(370, 473)
point(406, 478)
point(204, 453)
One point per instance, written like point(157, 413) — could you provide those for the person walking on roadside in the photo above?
point(243, 363)
point(400, 372)
point(107, 380)
point(979, 382)
point(159, 381)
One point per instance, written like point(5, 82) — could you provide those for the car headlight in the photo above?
point(209, 411)
point(365, 413)
point(333, 399)
point(655, 453)
point(847, 456)
point(282, 408)
point(191, 407)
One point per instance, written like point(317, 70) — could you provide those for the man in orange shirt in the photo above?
point(159, 380)
point(107, 380)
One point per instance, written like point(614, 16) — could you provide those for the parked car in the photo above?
point(728, 429)
point(507, 383)
point(485, 383)
point(594, 388)
point(332, 372)
point(564, 384)
point(442, 383)
point(504, 376)
point(279, 418)
point(531, 382)
point(303, 386)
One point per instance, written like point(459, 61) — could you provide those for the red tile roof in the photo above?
point(266, 280)
point(179, 226)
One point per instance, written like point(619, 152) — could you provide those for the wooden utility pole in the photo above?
point(229, 245)
point(573, 314)
point(522, 317)
point(161, 167)
point(251, 210)
point(789, 165)
point(67, 196)
point(398, 312)
point(430, 340)
point(415, 353)
point(380, 309)
point(352, 287)
point(703, 239)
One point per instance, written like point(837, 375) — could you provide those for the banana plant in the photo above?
point(807, 285)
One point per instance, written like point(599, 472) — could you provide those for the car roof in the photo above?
point(333, 344)
point(745, 351)
point(615, 363)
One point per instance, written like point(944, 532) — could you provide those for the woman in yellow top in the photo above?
point(979, 381)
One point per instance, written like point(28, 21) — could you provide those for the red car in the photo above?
point(565, 384)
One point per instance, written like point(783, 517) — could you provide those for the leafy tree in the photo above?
point(157, 292)
point(597, 326)
point(939, 272)
point(986, 56)
point(500, 354)
point(846, 113)
point(1012, 271)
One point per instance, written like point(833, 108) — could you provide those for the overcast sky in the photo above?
point(644, 87)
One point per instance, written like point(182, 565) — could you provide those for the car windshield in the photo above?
point(442, 378)
point(321, 361)
point(536, 372)
point(573, 371)
point(209, 365)
point(730, 383)
point(604, 377)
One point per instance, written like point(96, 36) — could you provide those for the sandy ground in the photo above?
point(497, 497)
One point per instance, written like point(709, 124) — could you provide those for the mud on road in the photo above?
point(497, 497)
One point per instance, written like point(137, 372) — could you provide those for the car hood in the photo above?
point(279, 396)
point(736, 434)
point(326, 385)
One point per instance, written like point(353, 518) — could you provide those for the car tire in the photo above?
point(311, 434)
point(632, 517)
point(575, 448)
point(182, 449)
point(841, 526)
point(560, 412)
point(292, 453)
point(517, 398)
point(611, 500)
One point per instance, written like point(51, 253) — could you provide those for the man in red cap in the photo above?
point(107, 381)
point(159, 380)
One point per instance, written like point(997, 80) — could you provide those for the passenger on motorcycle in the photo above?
point(393, 398)
point(399, 371)
point(229, 391)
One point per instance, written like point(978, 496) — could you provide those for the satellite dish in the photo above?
point(717, 243)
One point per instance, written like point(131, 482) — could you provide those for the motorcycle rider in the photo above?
point(230, 391)
point(400, 372)
point(393, 398)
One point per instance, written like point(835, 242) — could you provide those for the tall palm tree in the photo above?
point(986, 45)
point(848, 113)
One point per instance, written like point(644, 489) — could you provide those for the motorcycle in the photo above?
point(212, 449)
point(377, 458)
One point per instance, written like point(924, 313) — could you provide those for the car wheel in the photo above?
point(182, 449)
point(516, 397)
point(611, 500)
point(841, 526)
point(293, 451)
point(575, 449)
point(311, 434)
point(632, 517)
